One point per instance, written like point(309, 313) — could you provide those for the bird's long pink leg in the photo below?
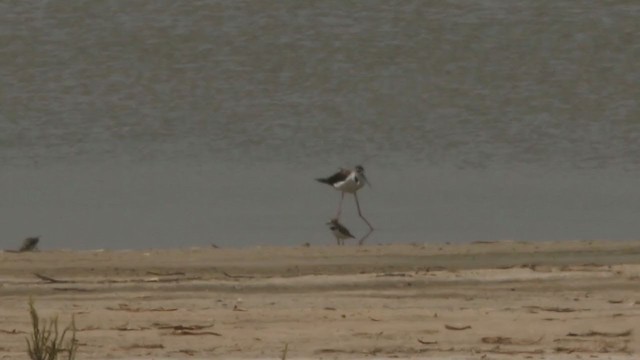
point(361, 241)
point(340, 206)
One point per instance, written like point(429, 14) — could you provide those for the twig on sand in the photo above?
point(427, 342)
point(126, 307)
point(29, 244)
point(453, 327)
point(394, 275)
point(603, 334)
point(285, 351)
point(187, 332)
point(143, 346)
point(151, 280)
point(498, 350)
point(236, 276)
point(603, 348)
point(181, 327)
point(503, 340)
point(553, 309)
point(165, 274)
point(126, 327)
point(52, 280)
point(332, 351)
point(73, 289)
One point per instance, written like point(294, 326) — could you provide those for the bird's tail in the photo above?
point(324, 181)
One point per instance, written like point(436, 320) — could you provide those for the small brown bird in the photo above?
point(339, 231)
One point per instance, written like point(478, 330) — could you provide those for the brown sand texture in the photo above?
point(488, 300)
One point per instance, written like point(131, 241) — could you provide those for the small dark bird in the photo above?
point(339, 231)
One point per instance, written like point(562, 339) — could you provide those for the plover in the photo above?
point(339, 231)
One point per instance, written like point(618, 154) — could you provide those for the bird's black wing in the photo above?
point(344, 230)
point(335, 178)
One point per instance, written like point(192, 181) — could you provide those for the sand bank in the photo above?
point(502, 300)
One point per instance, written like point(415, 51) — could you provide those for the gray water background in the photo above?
point(146, 124)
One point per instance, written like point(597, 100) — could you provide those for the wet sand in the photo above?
point(502, 300)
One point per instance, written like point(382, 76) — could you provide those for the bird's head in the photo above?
point(360, 172)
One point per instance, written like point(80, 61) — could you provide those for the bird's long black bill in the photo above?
point(366, 181)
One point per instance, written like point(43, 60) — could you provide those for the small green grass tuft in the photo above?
point(46, 343)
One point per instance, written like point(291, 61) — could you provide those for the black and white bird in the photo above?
point(340, 232)
point(348, 181)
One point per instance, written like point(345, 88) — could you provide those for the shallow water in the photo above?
point(154, 124)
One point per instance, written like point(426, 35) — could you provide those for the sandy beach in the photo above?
point(490, 300)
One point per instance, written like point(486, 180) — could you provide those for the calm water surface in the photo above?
point(166, 124)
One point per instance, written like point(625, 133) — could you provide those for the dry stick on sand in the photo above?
point(52, 280)
point(187, 332)
point(502, 340)
point(152, 280)
point(452, 327)
point(73, 289)
point(143, 346)
point(126, 327)
point(182, 327)
point(553, 309)
point(165, 274)
point(602, 348)
point(394, 275)
point(28, 244)
point(603, 334)
point(498, 350)
point(237, 276)
point(427, 342)
point(126, 307)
